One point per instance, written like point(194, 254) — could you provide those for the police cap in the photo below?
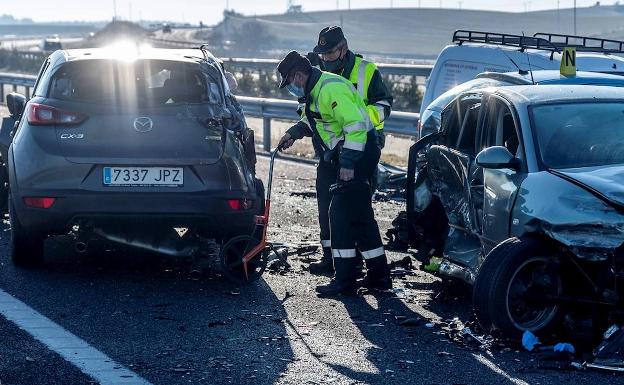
point(292, 61)
point(329, 37)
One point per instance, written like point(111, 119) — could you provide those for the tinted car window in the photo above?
point(39, 91)
point(579, 134)
point(139, 82)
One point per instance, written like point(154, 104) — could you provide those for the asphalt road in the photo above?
point(151, 315)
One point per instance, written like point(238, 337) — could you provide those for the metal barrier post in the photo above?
point(2, 93)
point(266, 133)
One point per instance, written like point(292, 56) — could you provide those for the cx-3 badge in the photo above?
point(143, 124)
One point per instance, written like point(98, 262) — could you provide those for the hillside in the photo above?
point(415, 32)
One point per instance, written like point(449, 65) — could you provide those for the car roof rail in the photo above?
point(204, 49)
point(583, 43)
point(523, 42)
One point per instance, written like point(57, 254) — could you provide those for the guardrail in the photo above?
point(402, 123)
point(16, 80)
point(387, 69)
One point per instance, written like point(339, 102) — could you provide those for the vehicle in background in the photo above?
point(166, 28)
point(50, 44)
point(430, 117)
point(147, 148)
point(521, 194)
point(476, 52)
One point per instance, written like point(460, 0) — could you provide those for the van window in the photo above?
point(455, 72)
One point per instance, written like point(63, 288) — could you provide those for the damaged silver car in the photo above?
point(521, 193)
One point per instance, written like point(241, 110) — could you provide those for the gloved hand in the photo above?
point(285, 142)
point(381, 139)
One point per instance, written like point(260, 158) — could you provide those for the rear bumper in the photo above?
point(207, 213)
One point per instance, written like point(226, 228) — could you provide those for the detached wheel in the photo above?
point(512, 287)
point(232, 255)
point(26, 247)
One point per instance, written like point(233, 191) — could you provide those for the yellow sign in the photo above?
point(568, 62)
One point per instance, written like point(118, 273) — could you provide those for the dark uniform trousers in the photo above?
point(326, 176)
point(352, 220)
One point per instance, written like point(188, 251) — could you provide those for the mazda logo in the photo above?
point(143, 124)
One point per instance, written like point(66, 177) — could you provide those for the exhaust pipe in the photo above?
point(80, 247)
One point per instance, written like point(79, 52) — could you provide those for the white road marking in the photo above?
point(492, 366)
point(76, 351)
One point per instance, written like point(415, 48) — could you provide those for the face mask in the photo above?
point(333, 66)
point(295, 91)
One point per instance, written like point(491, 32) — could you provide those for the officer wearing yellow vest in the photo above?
point(336, 115)
point(332, 54)
point(336, 57)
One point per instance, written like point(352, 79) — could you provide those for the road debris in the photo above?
point(278, 260)
point(609, 355)
point(303, 194)
point(409, 322)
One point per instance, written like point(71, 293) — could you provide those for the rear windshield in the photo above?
point(137, 82)
point(579, 134)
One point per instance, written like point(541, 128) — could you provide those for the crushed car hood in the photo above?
point(606, 182)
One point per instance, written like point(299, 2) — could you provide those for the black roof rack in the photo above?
point(522, 42)
point(583, 43)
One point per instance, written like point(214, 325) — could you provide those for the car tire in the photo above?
point(482, 285)
point(26, 247)
point(499, 301)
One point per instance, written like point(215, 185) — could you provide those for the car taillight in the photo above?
point(43, 115)
point(39, 202)
point(240, 204)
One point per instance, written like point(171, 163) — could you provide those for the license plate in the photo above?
point(143, 176)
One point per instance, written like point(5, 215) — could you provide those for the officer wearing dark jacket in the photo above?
point(336, 57)
point(332, 54)
point(335, 116)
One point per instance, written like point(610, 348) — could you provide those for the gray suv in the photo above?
point(148, 149)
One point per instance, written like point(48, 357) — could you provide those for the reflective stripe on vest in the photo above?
point(361, 75)
point(329, 131)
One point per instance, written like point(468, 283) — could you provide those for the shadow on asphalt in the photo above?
point(152, 315)
point(419, 349)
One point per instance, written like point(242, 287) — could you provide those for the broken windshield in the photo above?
point(582, 134)
point(142, 82)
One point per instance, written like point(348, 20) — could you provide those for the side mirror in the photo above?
point(16, 103)
point(497, 157)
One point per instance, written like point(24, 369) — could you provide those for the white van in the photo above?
point(477, 52)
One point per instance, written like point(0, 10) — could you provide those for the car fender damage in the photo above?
point(589, 227)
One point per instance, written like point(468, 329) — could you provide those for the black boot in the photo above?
point(378, 274)
point(325, 266)
point(343, 283)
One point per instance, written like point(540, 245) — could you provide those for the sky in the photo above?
point(210, 11)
